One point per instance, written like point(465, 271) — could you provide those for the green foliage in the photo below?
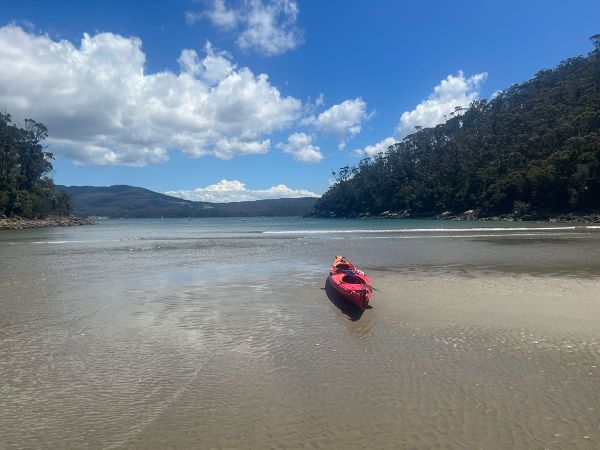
point(24, 189)
point(596, 41)
point(535, 147)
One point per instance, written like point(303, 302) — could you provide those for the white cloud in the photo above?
point(450, 92)
point(213, 68)
point(343, 120)
point(236, 191)
point(300, 146)
point(267, 27)
point(270, 27)
point(371, 150)
point(227, 148)
point(101, 108)
point(219, 15)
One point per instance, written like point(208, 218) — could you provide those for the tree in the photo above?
point(596, 41)
point(34, 161)
point(24, 188)
point(535, 144)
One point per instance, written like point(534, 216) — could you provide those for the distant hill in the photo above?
point(533, 150)
point(135, 202)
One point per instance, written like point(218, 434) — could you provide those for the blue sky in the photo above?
point(170, 95)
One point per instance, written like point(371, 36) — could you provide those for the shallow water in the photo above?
point(221, 333)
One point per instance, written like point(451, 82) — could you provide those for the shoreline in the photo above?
point(20, 223)
point(474, 215)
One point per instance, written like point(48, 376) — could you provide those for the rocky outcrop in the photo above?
point(405, 214)
point(19, 223)
point(588, 218)
point(476, 214)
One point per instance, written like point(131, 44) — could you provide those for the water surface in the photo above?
point(220, 333)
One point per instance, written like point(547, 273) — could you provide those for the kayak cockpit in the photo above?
point(352, 279)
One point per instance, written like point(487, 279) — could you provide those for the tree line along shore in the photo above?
point(530, 153)
point(27, 193)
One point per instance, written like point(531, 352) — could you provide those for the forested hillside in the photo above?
point(25, 188)
point(135, 202)
point(533, 148)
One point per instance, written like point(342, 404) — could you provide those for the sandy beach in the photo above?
point(547, 303)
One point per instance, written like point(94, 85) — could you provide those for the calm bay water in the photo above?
point(180, 247)
point(219, 333)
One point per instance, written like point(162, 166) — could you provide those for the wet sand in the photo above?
point(439, 361)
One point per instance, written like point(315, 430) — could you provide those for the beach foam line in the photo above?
point(88, 241)
point(422, 230)
point(441, 236)
point(58, 242)
point(447, 236)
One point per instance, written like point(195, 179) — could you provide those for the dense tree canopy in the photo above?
point(25, 190)
point(534, 147)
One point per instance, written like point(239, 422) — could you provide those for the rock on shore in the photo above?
point(475, 214)
point(19, 223)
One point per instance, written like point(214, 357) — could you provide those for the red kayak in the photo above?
point(350, 283)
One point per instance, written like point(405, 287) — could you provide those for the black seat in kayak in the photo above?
point(352, 279)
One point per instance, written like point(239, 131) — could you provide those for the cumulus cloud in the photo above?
point(379, 147)
point(271, 27)
point(219, 15)
point(223, 17)
point(213, 68)
point(267, 27)
point(343, 120)
point(450, 92)
point(101, 108)
point(236, 191)
point(300, 146)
